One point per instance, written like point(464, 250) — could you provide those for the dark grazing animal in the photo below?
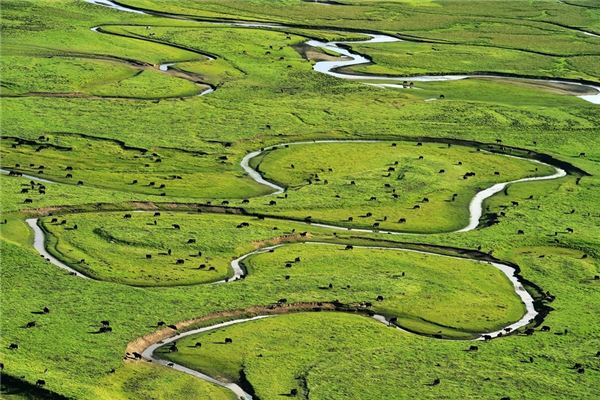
point(228, 340)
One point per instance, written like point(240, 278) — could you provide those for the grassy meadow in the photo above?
point(397, 186)
point(93, 113)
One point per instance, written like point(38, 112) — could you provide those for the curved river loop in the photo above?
point(349, 58)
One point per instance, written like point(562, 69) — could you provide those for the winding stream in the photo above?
point(350, 58)
point(239, 272)
point(475, 206)
point(475, 210)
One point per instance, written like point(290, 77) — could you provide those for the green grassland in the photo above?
point(115, 249)
point(110, 164)
point(340, 355)
point(79, 89)
point(319, 181)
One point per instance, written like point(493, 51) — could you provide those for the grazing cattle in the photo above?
point(373, 198)
point(228, 340)
point(54, 220)
point(79, 183)
point(581, 154)
point(24, 190)
point(28, 201)
point(137, 355)
point(419, 144)
point(529, 331)
point(191, 241)
point(127, 216)
point(133, 182)
point(157, 214)
point(288, 265)
point(173, 348)
point(581, 370)
point(176, 226)
point(376, 225)
point(75, 227)
point(297, 259)
point(105, 323)
point(294, 392)
point(282, 301)
point(393, 144)
point(416, 207)
point(148, 256)
point(435, 382)
point(486, 337)
point(105, 329)
point(441, 171)
point(545, 328)
point(402, 220)
point(245, 201)
point(570, 230)
point(379, 298)
point(473, 348)
point(577, 181)
point(46, 310)
point(520, 232)
point(425, 200)
point(160, 323)
point(13, 346)
point(391, 169)
point(505, 398)
point(421, 157)
point(352, 182)
point(40, 382)
point(198, 344)
point(272, 203)
point(69, 176)
point(212, 269)
point(30, 324)
point(514, 203)
point(169, 251)
point(174, 327)
point(179, 261)
point(349, 247)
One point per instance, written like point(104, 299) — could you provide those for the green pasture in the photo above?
point(96, 106)
point(386, 185)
